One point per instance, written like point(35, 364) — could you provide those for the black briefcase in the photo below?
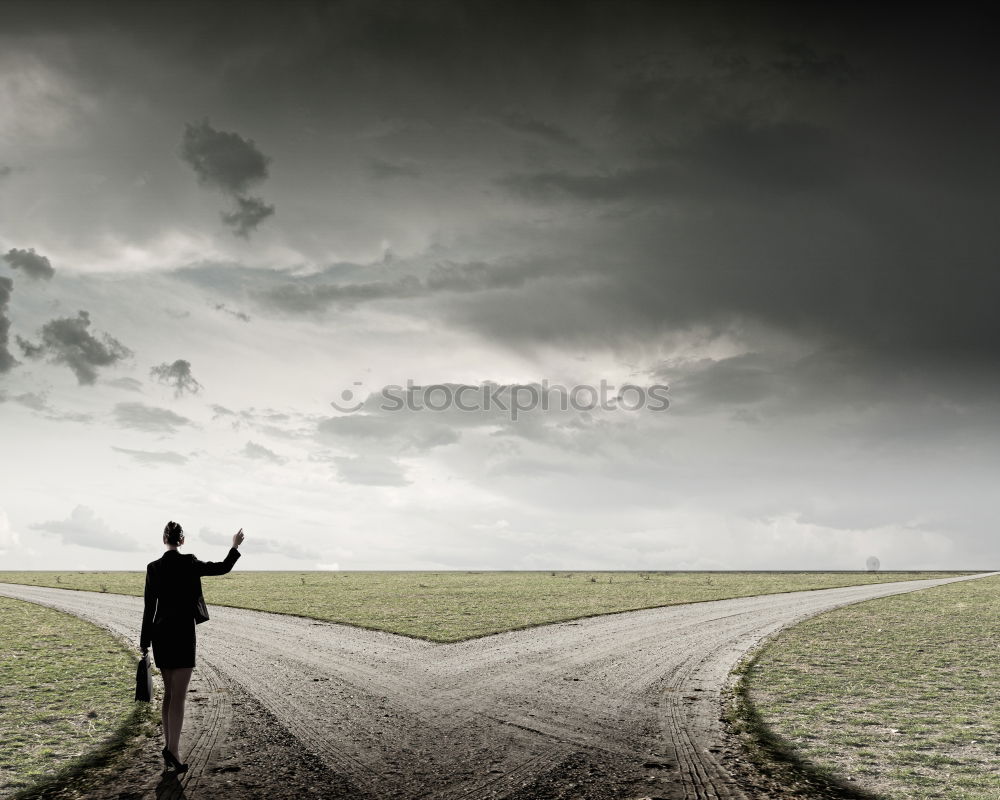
point(143, 680)
point(200, 610)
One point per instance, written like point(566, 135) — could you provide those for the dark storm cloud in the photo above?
point(152, 457)
point(809, 169)
point(69, 341)
point(151, 419)
point(795, 225)
point(85, 529)
point(178, 375)
point(763, 158)
point(754, 386)
point(478, 277)
point(883, 406)
point(249, 213)
point(223, 159)
point(7, 360)
point(629, 183)
point(725, 161)
point(30, 263)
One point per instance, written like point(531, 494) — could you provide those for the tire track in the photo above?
point(211, 733)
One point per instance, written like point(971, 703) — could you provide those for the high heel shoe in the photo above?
point(166, 759)
point(174, 761)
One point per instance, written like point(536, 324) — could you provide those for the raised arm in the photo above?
point(217, 567)
point(148, 610)
point(224, 566)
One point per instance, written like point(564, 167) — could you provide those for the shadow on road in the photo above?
point(170, 787)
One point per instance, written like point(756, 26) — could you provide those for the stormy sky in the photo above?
point(224, 229)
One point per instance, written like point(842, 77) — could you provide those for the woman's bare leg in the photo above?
point(180, 677)
point(165, 709)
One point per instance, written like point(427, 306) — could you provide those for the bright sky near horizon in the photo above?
point(215, 220)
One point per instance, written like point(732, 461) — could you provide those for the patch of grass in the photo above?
point(897, 697)
point(66, 697)
point(451, 606)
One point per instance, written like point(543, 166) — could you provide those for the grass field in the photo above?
point(66, 693)
point(899, 696)
point(451, 606)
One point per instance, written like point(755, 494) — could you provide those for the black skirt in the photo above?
point(174, 643)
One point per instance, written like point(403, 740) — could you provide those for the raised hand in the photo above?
point(238, 538)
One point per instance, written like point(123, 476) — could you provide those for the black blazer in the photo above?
point(173, 587)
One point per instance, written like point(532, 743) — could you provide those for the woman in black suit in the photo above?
point(173, 605)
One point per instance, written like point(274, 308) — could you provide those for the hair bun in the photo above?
point(173, 533)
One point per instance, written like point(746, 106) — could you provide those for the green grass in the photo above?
point(897, 697)
point(451, 606)
point(66, 695)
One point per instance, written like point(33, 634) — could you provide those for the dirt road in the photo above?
point(623, 705)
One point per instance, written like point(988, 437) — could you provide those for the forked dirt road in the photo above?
point(623, 705)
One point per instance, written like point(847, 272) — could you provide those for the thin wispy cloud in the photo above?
point(151, 419)
point(84, 528)
point(370, 470)
point(240, 315)
point(129, 384)
point(285, 547)
point(522, 123)
point(261, 453)
point(152, 457)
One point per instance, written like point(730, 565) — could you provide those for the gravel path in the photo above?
point(616, 706)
